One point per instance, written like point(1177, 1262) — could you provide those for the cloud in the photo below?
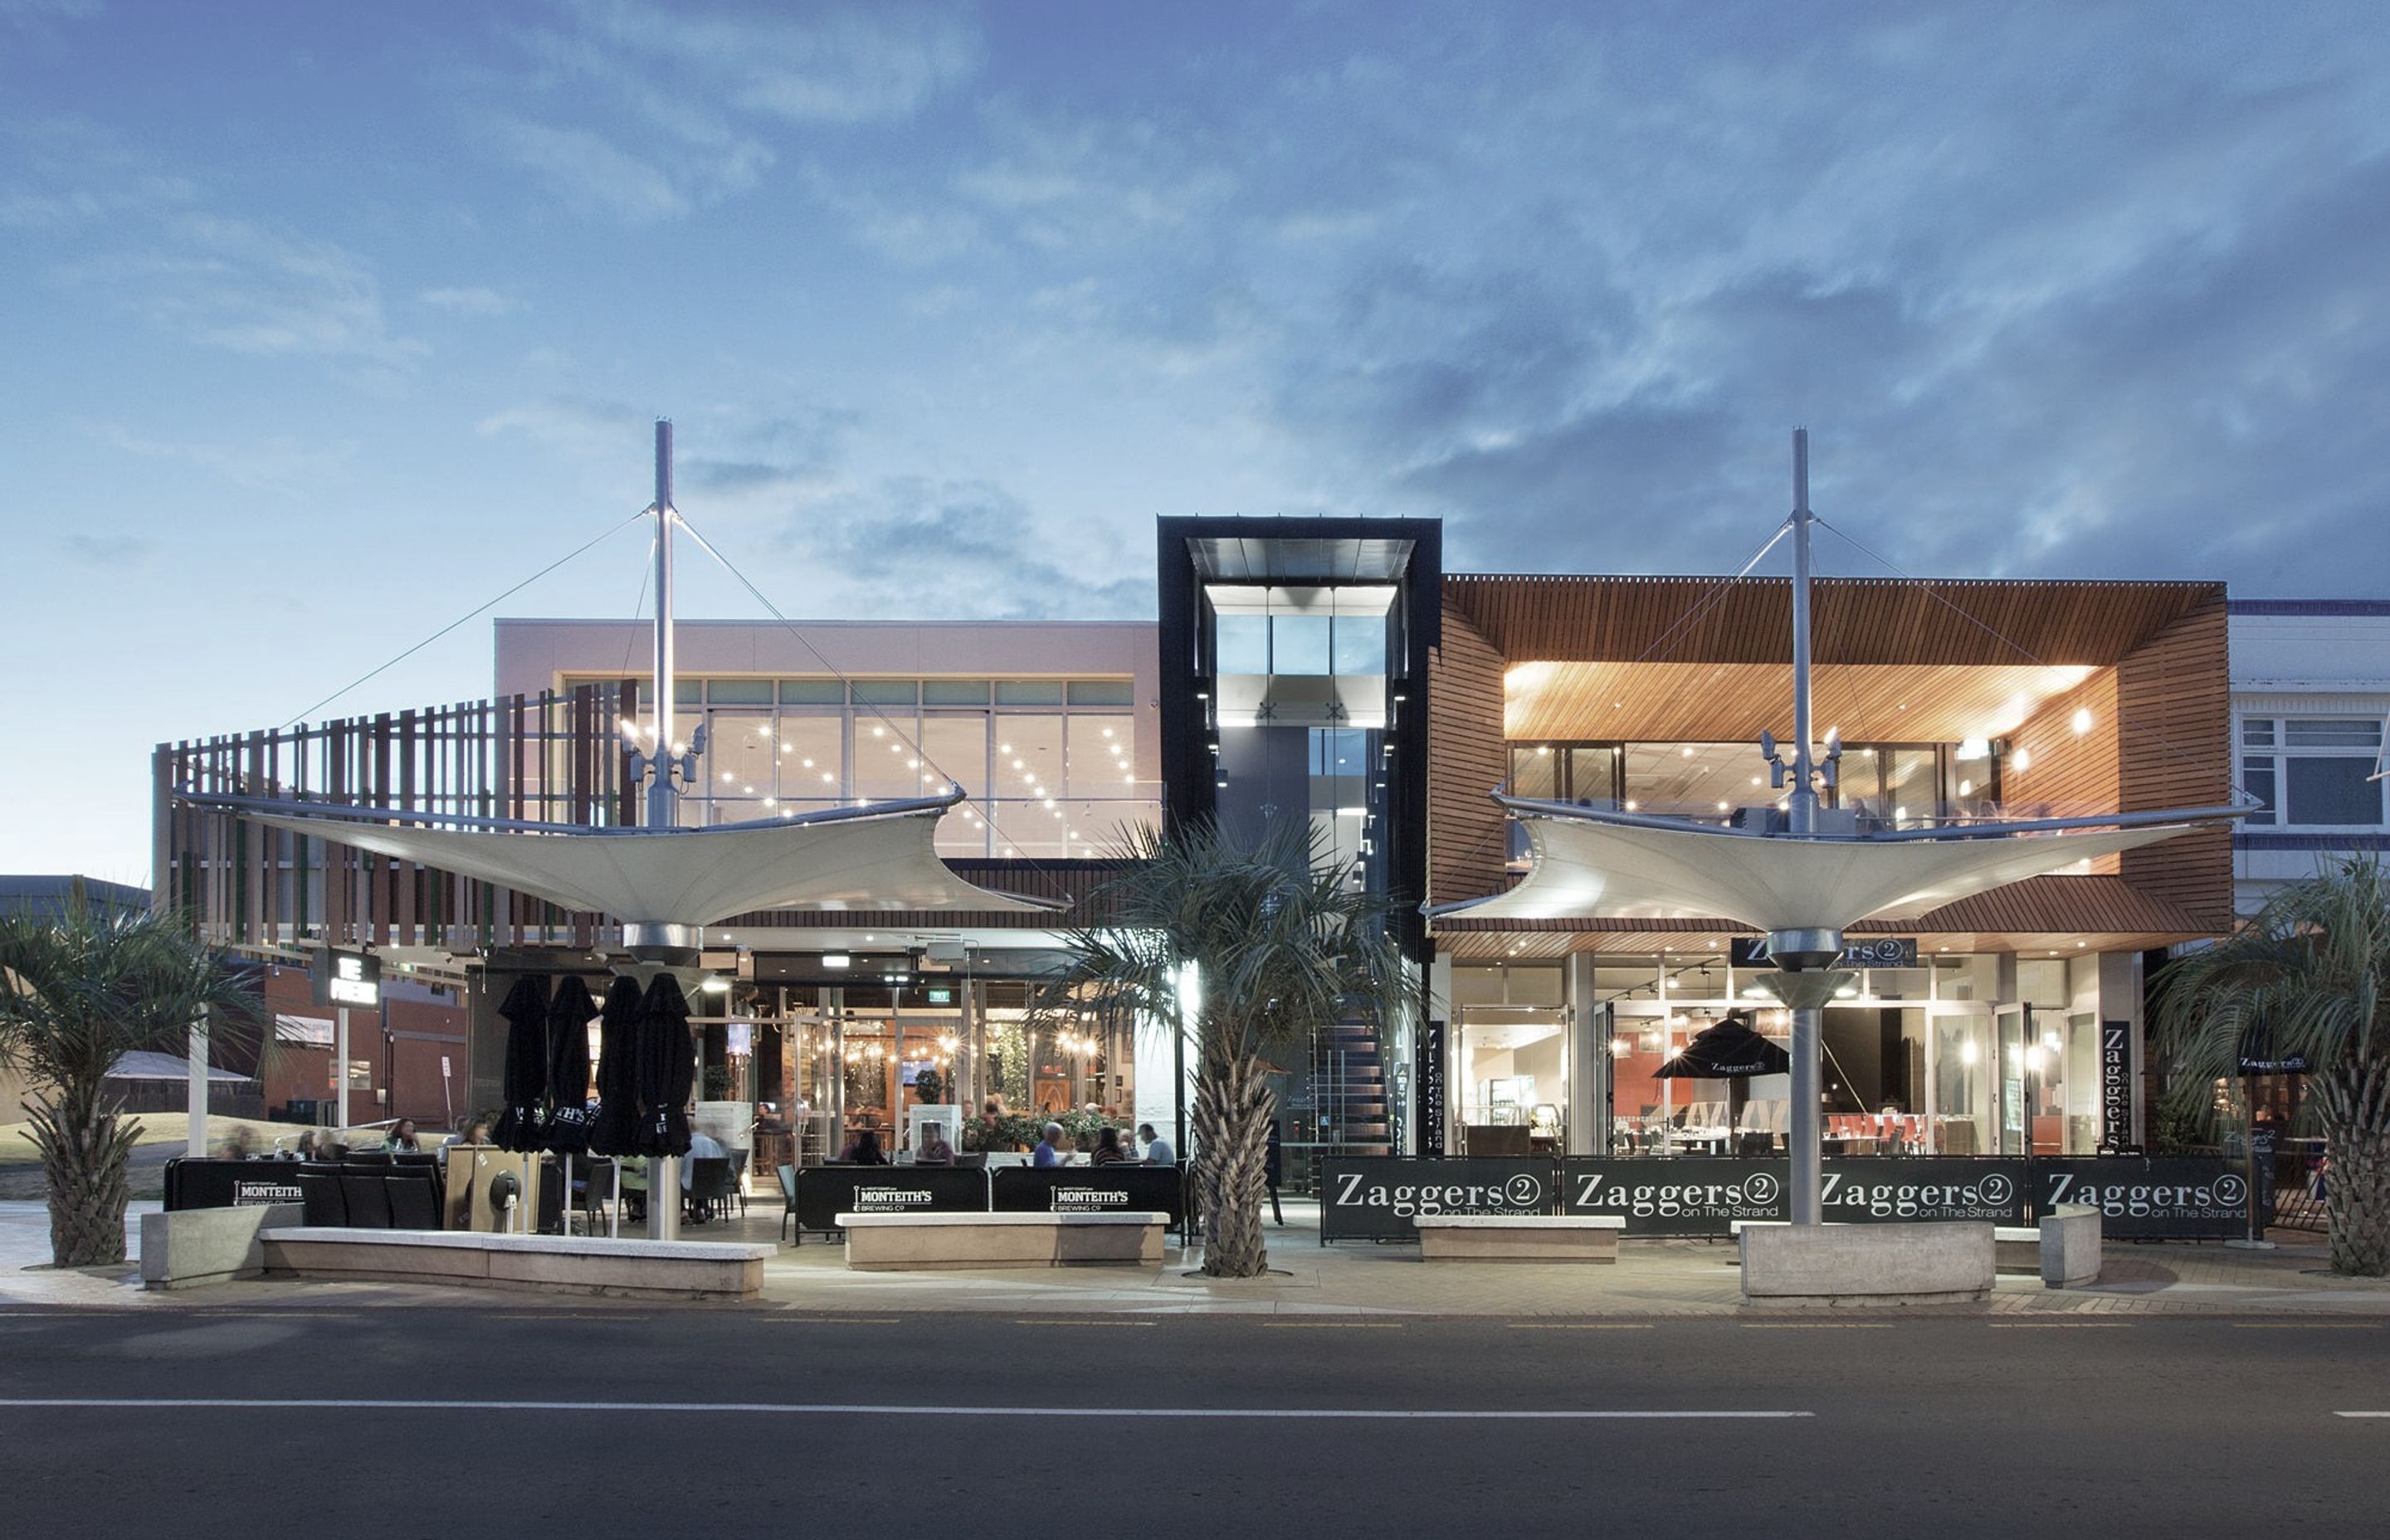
point(916, 545)
point(108, 553)
point(473, 301)
point(273, 463)
point(698, 94)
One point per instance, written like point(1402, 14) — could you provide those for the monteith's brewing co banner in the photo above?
point(1376, 1197)
point(825, 1192)
point(1088, 1189)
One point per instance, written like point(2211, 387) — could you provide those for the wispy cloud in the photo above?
point(273, 463)
point(108, 553)
point(468, 301)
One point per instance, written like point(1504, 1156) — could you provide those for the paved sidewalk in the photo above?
point(1653, 1279)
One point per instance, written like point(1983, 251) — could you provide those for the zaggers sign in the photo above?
point(2164, 1198)
point(1376, 1197)
point(1706, 1195)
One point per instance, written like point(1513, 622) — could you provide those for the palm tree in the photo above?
point(2312, 969)
point(79, 989)
point(1247, 950)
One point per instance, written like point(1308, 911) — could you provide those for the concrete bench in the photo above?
point(1903, 1263)
point(564, 1264)
point(1519, 1237)
point(903, 1242)
point(193, 1247)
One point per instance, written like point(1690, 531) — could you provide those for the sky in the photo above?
point(325, 325)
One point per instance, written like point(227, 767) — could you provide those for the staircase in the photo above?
point(1348, 1079)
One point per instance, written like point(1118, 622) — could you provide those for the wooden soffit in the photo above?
point(1937, 621)
point(1731, 702)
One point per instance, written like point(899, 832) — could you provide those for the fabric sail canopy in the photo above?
point(1588, 863)
point(879, 858)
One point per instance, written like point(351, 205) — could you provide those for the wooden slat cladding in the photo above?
point(1857, 619)
point(2173, 695)
point(1467, 759)
point(1732, 702)
point(2068, 773)
point(556, 756)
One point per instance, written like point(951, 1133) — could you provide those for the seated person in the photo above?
point(1108, 1150)
point(934, 1149)
point(1049, 1147)
point(864, 1150)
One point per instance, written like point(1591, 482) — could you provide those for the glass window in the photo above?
point(739, 692)
point(1028, 757)
point(957, 745)
point(886, 763)
point(1963, 1078)
point(1358, 643)
point(953, 692)
point(1241, 644)
point(812, 754)
point(1907, 796)
point(1099, 763)
point(2257, 732)
point(689, 692)
point(886, 692)
point(740, 760)
point(1299, 644)
point(2257, 779)
point(1102, 692)
point(2331, 791)
point(1593, 773)
point(2331, 732)
point(1535, 771)
point(1029, 692)
point(1700, 780)
point(813, 692)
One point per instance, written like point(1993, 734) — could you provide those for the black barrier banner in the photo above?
point(2159, 1198)
point(1675, 1194)
point(1088, 1190)
point(1376, 1197)
point(1889, 1189)
point(825, 1192)
point(204, 1183)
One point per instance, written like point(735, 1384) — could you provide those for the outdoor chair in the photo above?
point(368, 1198)
point(413, 1200)
point(709, 1186)
point(789, 1196)
point(320, 1191)
point(595, 1181)
point(738, 1193)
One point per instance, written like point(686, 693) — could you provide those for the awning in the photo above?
point(1592, 863)
point(141, 1064)
point(866, 859)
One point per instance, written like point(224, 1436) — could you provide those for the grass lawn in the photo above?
point(164, 1128)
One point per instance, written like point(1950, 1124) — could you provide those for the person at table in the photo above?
point(401, 1137)
point(1049, 1147)
point(703, 1146)
point(476, 1131)
point(1108, 1150)
point(864, 1150)
point(935, 1150)
point(1157, 1148)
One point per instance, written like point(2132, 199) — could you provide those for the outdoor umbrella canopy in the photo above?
point(1730, 1050)
point(667, 1069)
point(616, 1131)
point(525, 1010)
point(567, 1067)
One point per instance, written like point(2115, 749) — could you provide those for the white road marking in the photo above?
point(794, 1409)
point(2361, 1414)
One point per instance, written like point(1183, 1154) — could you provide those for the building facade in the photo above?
point(2310, 699)
point(1331, 670)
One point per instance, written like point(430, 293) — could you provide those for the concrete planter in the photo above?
point(570, 1264)
point(192, 1248)
point(905, 1243)
point(1811, 1264)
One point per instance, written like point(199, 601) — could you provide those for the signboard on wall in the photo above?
point(1427, 1074)
point(1706, 1195)
point(1861, 952)
point(2157, 1197)
point(1376, 1197)
point(2116, 1087)
point(347, 978)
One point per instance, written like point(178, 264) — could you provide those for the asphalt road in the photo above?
point(731, 1422)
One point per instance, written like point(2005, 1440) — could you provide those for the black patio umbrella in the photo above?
point(525, 1083)
point(616, 1131)
point(567, 1131)
point(1731, 1051)
point(667, 1069)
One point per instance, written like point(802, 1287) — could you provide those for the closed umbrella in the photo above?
point(525, 1085)
point(1731, 1051)
point(616, 1131)
point(667, 1069)
point(567, 1067)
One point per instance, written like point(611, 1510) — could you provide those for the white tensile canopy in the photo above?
point(875, 858)
point(1592, 863)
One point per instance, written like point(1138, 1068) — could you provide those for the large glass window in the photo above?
point(1359, 644)
point(886, 763)
point(1098, 762)
point(1299, 644)
point(1241, 644)
point(812, 755)
point(2314, 772)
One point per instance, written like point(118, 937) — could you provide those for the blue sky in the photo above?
point(327, 323)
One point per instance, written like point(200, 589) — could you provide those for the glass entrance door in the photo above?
point(2010, 1027)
